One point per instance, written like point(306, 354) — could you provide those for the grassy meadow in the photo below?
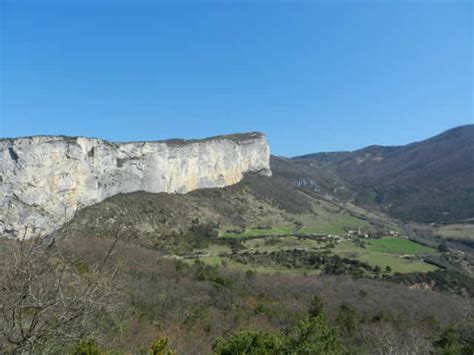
point(393, 245)
point(394, 254)
point(388, 251)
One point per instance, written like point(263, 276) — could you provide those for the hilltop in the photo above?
point(428, 181)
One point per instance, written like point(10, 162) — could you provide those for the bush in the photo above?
point(161, 347)
point(87, 347)
point(443, 248)
point(316, 307)
point(451, 342)
point(347, 319)
point(311, 336)
point(249, 342)
point(315, 336)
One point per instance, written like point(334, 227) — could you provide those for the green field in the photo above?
point(396, 264)
point(385, 252)
point(330, 223)
point(281, 243)
point(397, 253)
point(392, 245)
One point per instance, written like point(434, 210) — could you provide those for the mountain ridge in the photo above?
point(435, 174)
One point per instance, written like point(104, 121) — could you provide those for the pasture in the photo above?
point(396, 253)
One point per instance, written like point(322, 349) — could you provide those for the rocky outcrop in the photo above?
point(44, 180)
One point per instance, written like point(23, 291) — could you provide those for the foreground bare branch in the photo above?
point(46, 302)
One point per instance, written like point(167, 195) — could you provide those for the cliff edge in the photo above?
point(44, 180)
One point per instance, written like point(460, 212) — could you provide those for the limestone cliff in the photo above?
point(44, 180)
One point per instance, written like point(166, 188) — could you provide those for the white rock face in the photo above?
point(44, 180)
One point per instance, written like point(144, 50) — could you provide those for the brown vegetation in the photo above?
point(193, 304)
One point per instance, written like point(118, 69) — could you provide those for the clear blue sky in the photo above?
point(314, 76)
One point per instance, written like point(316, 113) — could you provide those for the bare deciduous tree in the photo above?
point(46, 301)
point(386, 339)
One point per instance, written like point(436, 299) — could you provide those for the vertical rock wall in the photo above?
point(44, 180)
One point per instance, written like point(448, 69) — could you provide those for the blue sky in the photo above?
point(314, 76)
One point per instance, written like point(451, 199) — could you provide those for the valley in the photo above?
point(237, 177)
point(261, 259)
point(388, 254)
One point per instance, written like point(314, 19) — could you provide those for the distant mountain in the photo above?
point(427, 181)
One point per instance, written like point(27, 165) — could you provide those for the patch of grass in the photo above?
point(374, 257)
point(382, 252)
point(330, 223)
point(213, 260)
point(393, 245)
point(281, 243)
point(397, 264)
point(377, 252)
point(213, 249)
point(347, 247)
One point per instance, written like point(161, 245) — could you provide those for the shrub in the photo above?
point(249, 342)
point(443, 248)
point(451, 342)
point(161, 347)
point(316, 307)
point(347, 319)
point(87, 347)
point(315, 336)
point(311, 336)
point(250, 274)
